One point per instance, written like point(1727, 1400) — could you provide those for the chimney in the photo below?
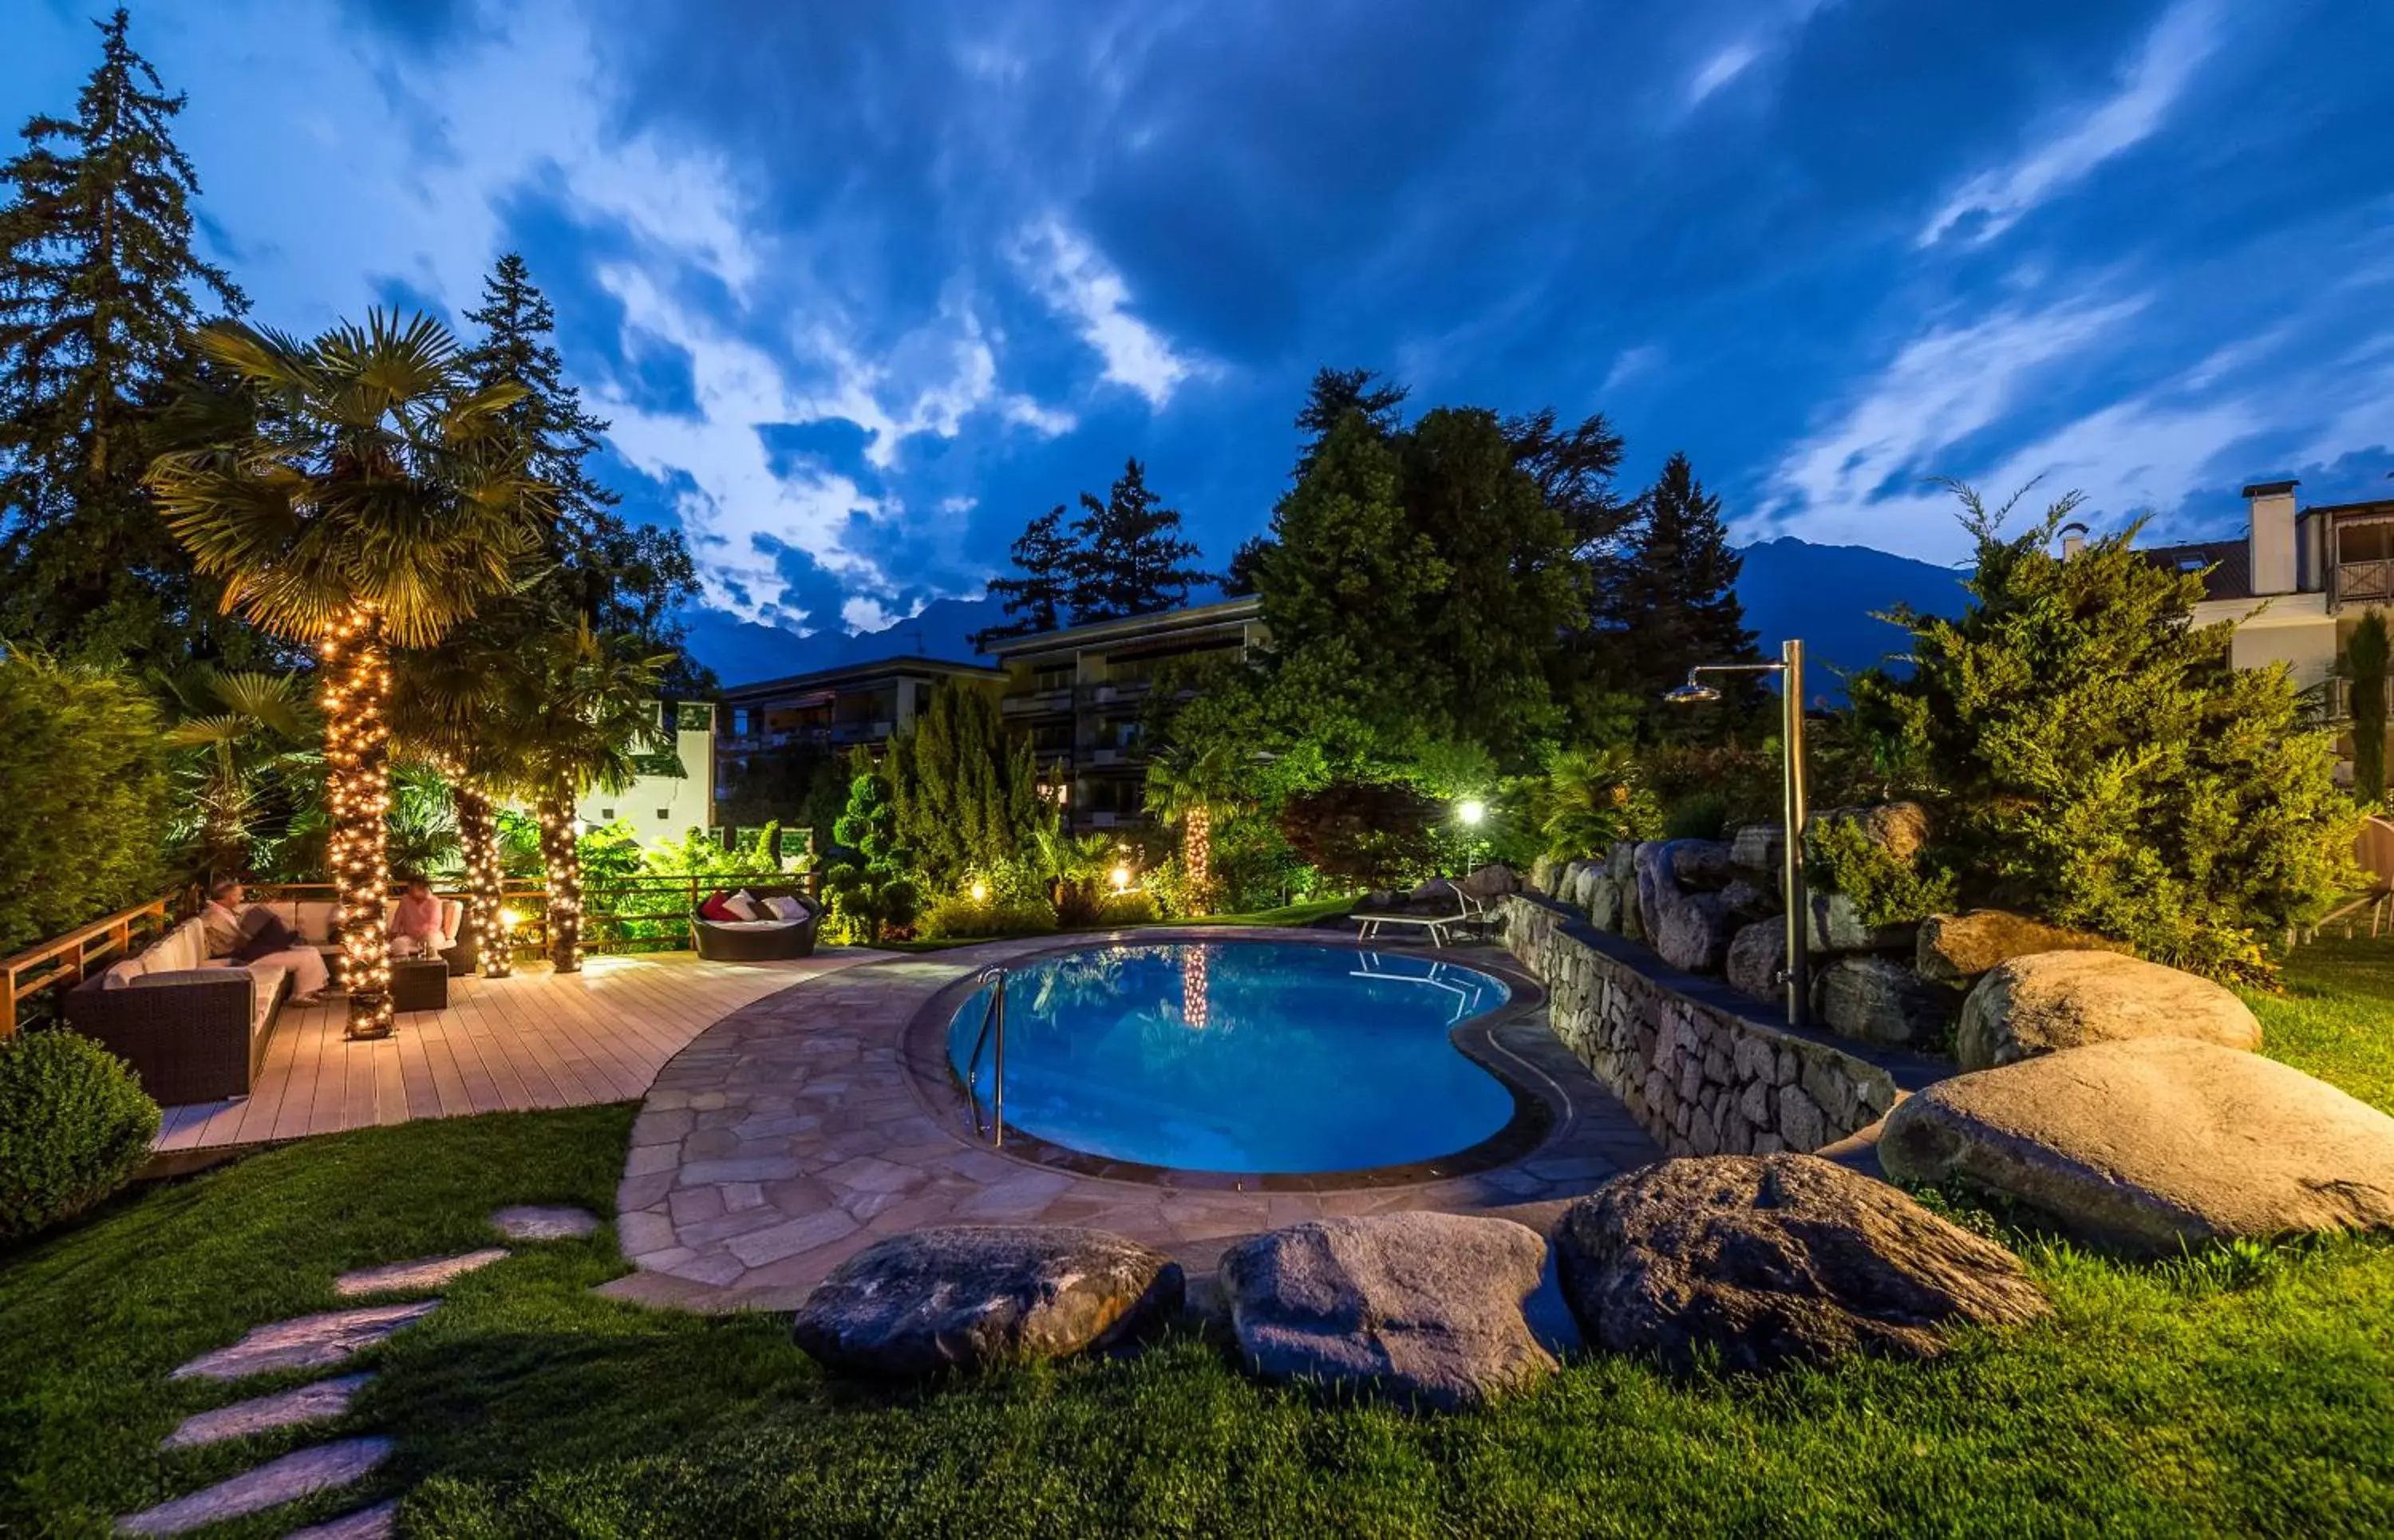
point(2074, 540)
point(2272, 554)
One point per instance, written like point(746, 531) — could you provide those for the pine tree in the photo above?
point(966, 790)
point(625, 580)
point(1036, 600)
point(2365, 655)
point(1333, 394)
point(99, 290)
point(1130, 557)
point(1674, 604)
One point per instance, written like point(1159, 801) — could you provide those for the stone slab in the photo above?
point(545, 1222)
point(294, 1476)
point(307, 1342)
point(366, 1524)
point(320, 1402)
point(425, 1273)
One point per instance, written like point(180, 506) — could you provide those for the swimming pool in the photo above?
point(1242, 1055)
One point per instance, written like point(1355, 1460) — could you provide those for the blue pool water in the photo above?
point(1242, 1056)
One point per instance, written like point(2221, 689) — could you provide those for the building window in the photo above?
point(1050, 676)
point(605, 815)
point(663, 813)
point(2362, 542)
point(739, 721)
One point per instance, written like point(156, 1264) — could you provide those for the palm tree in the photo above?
point(238, 727)
point(589, 708)
point(448, 707)
point(1186, 785)
point(358, 493)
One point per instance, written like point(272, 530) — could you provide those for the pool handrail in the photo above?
point(993, 979)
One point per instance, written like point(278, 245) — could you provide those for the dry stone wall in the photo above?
point(1700, 1067)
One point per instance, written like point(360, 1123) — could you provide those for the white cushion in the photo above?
point(741, 903)
point(266, 981)
point(180, 949)
point(313, 918)
point(453, 921)
point(786, 909)
point(121, 974)
point(750, 925)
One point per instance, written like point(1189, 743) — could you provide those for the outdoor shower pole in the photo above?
point(1791, 740)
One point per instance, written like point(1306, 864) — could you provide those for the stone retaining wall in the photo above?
point(1700, 1066)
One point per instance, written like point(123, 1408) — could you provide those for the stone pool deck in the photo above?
point(801, 1128)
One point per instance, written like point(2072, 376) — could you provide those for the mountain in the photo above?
point(1825, 593)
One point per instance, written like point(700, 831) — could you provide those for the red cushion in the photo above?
point(715, 908)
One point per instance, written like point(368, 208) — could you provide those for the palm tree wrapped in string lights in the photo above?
point(358, 493)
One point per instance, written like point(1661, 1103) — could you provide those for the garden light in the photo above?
point(1471, 810)
point(1122, 879)
point(980, 892)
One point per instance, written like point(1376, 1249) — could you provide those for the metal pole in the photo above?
point(1791, 739)
point(997, 1097)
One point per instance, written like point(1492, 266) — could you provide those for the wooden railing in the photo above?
point(67, 960)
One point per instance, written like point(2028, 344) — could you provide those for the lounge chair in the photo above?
point(760, 940)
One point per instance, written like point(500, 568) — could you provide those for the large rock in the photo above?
point(1836, 925)
point(1492, 881)
point(1701, 866)
point(1758, 954)
point(1583, 893)
point(1620, 861)
point(1694, 930)
point(1876, 999)
point(1957, 948)
point(1759, 848)
point(1542, 871)
point(965, 1296)
point(2052, 1000)
point(1774, 1260)
point(1604, 903)
point(1898, 828)
point(1751, 900)
point(1425, 1308)
point(2154, 1143)
point(1654, 880)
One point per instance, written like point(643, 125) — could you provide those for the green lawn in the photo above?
point(2251, 1392)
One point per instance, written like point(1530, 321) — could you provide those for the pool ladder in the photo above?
point(993, 1026)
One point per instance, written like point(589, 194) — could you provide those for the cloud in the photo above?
point(1629, 365)
point(1722, 68)
point(1995, 200)
point(1078, 283)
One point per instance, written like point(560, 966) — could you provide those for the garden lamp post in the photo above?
point(1790, 667)
point(1468, 812)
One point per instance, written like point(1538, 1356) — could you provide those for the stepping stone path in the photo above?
point(307, 1342)
point(318, 1342)
point(326, 1399)
point(414, 1277)
point(545, 1222)
point(296, 1475)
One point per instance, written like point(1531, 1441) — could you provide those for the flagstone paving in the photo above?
point(294, 1476)
point(545, 1222)
point(791, 1134)
point(307, 1342)
point(319, 1401)
point(425, 1273)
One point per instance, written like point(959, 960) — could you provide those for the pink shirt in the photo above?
point(417, 916)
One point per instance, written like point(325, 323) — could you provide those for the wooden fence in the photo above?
point(68, 960)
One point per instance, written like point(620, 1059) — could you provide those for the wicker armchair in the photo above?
point(759, 940)
point(196, 1034)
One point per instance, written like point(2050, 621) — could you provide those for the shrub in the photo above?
point(1886, 889)
point(960, 915)
point(2096, 760)
point(1700, 815)
point(84, 786)
point(1136, 907)
point(1363, 833)
point(74, 1125)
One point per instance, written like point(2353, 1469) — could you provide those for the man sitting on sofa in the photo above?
point(249, 935)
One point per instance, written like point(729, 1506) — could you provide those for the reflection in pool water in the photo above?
point(1243, 1056)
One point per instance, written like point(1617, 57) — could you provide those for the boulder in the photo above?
point(1957, 948)
point(1759, 848)
point(1775, 1259)
point(966, 1295)
point(1877, 999)
point(1836, 925)
point(1621, 862)
point(1435, 890)
point(1604, 897)
point(1584, 890)
point(1701, 866)
point(1543, 873)
point(1758, 954)
point(1424, 1307)
point(1632, 923)
point(2151, 1144)
point(1751, 900)
point(1653, 877)
point(1694, 930)
point(1898, 828)
point(2052, 1000)
point(1492, 881)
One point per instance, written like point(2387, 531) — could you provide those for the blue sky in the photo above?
point(863, 287)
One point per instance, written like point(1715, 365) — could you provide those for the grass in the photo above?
point(2247, 1391)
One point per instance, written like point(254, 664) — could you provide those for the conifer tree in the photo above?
point(966, 790)
point(1130, 559)
point(99, 291)
point(1035, 601)
point(624, 581)
point(1674, 602)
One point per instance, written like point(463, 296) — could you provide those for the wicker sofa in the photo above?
point(194, 1027)
point(759, 940)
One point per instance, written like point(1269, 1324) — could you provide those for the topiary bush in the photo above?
point(74, 1125)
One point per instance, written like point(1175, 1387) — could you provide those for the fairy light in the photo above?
point(560, 852)
point(1196, 1003)
point(1197, 850)
point(356, 689)
point(485, 879)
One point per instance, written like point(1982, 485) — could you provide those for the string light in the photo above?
point(478, 830)
point(1197, 850)
point(1196, 1003)
point(560, 852)
point(356, 675)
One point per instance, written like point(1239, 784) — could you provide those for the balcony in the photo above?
point(2364, 582)
point(1037, 703)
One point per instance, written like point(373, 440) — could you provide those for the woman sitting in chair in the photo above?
point(415, 924)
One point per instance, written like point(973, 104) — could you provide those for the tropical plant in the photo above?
point(2096, 759)
point(357, 493)
point(1076, 866)
point(1590, 798)
point(1187, 785)
point(2365, 655)
point(83, 790)
point(74, 1125)
point(425, 838)
point(243, 735)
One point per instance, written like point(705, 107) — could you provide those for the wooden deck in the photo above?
point(537, 1039)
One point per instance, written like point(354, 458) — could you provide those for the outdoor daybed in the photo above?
point(765, 940)
point(193, 1026)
